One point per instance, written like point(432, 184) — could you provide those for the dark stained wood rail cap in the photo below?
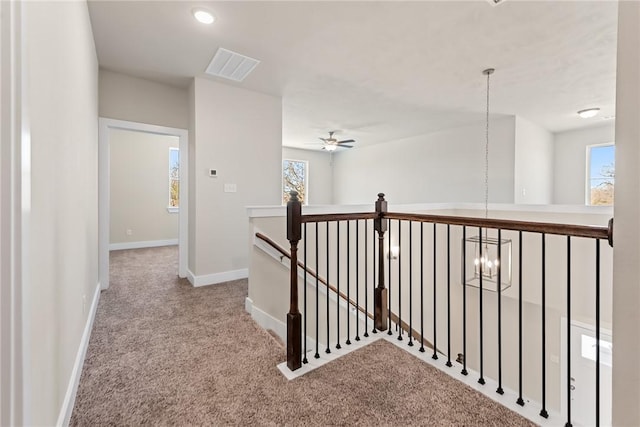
point(339, 217)
point(504, 224)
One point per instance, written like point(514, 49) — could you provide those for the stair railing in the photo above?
point(297, 225)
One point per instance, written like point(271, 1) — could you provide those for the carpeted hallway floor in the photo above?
point(165, 353)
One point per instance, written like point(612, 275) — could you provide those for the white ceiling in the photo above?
point(379, 71)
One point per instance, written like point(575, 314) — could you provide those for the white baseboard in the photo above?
point(138, 245)
point(70, 396)
point(215, 278)
point(266, 320)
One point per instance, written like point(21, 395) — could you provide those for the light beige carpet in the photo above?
point(165, 353)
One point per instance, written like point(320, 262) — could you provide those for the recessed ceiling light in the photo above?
point(588, 113)
point(203, 16)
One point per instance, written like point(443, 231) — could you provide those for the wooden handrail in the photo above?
point(505, 224)
point(338, 217)
point(572, 230)
point(415, 334)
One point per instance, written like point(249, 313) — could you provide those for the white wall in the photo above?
point(570, 160)
point(134, 99)
point(238, 133)
point(139, 187)
point(62, 248)
point(626, 294)
point(320, 191)
point(446, 166)
point(533, 169)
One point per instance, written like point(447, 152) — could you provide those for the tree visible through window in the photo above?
point(602, 172)
point(174, 177)
point(294, 178)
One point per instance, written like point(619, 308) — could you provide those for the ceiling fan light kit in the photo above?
point(332, 144)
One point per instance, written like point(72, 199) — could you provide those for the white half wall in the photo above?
point(570, 161)
point(133, 99)
point(139, 187)
point(533, 169)
point(239, 133)
point(445, 166)
point(320, 191)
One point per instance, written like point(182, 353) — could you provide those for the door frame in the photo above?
point(563, 354)
point(105, 125)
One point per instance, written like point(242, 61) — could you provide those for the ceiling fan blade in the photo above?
point(323, 139)
point(346, 146)
point(346, 141)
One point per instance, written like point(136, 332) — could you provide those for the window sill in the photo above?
point(173, 209)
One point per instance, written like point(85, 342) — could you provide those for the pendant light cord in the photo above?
point(488, 73)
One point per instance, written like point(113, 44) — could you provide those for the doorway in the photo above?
point(106, 127)
point(583, 374)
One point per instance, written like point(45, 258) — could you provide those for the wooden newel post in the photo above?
point(294, 318)
point(380, 296)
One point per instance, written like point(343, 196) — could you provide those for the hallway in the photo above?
point(165, 353)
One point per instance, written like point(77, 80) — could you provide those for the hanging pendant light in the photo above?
point(487, 258)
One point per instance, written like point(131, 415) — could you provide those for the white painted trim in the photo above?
point(530, 410)
point(587, 168)
point(145, 244)
point(215, 278)
point(105, 124)
point(327, 358)
point(266, 320)
point(72, 388)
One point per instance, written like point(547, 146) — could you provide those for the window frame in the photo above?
point(173, 209)
point(306, 179)
point(587, 189)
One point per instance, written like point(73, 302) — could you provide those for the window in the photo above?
point(174, 180)
point(294, 178)
point(601, 171)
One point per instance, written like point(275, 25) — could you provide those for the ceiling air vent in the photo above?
point(231, 65)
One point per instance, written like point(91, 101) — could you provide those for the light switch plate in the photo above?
point(229, 188)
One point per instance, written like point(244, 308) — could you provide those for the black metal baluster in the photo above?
point(348, 342)
point(410, 285)
point(357, 279)
point(366, 287)
point(373, 264)
point(543, 411)
point(464, 301)
point(328, 350)
point(482, 255)
point(338, 346)
point(597, 333)
point(520, 401)
point(568, 423)
point(304, 356)
point(317, 355)
point(449, 364)
point(422, 287)
point(389, 332)
point(435, 347)
point(399, 324)
point(499, 390)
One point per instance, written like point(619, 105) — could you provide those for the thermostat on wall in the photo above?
point(213, 173)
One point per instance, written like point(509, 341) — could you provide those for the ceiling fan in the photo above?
point(332, 144)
